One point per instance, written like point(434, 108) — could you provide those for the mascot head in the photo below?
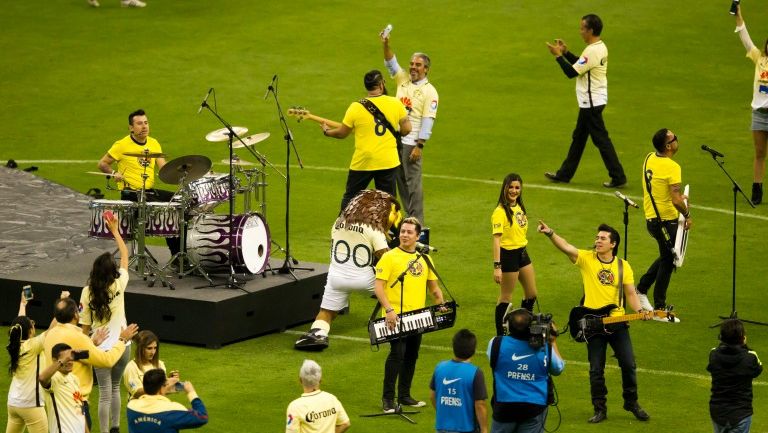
point(375, 208)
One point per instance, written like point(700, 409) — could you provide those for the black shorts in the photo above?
point(513, 260)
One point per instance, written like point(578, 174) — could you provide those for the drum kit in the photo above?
point(209, 243)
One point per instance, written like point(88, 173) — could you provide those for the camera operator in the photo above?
point(522, 362)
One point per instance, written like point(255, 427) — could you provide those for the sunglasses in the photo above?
point(674, 138)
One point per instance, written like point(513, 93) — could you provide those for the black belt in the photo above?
point(763, 110)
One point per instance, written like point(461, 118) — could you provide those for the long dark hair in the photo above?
point(511, 177)
point(103, 274)
point(144, 339)
point(20, 327)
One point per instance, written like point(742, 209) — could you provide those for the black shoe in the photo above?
point(614, 184)
point(114, 430)
point(553, 177)
point(312, 342)
point(637, 411)
point(412, 402)
point(757, 193)
point(388, 406)
point(599, 416)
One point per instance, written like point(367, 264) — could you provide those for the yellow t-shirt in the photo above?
point(130, 166)
point(592, 82)
point(69, 404)
point(315, 412)
point(513, 236)
point(375, 147)
point(601, 281)
point(391, 265)
point(665, 172)
point(760, 90)
point(22, 390)
point(420, 100)
point(133, 376)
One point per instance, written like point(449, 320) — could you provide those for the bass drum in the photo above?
point(208, 242)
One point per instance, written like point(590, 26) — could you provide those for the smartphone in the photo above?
point(179, 386)
point(387, 30)
point(80, 354)
point(28, 295)
point(734, 7)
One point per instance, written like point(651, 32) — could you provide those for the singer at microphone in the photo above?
point(663, 203)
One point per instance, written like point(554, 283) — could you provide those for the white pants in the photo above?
point(338, 287)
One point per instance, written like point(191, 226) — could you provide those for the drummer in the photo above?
point(130, 168)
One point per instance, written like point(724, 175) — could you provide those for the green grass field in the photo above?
point(70, 75)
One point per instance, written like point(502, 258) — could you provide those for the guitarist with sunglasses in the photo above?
point(607, 280)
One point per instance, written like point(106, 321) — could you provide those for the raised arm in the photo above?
point(559, 242)
point(114, 229)
point(741, 29)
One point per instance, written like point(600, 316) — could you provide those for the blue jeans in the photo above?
point(622, 347)
point(740, 427)
point(531, 425)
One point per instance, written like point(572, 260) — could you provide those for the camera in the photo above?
point(540, 330)
point(79, 354)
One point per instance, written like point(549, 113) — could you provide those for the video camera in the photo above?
point(541, 329)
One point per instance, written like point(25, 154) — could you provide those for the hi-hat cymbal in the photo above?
point(100, 173)
point(146, 154)
point(223, 134)
point(237, 162)
point(194, 166)
point(251, 140)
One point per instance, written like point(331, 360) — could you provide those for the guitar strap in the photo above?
point(381, 118)
point(621, 282)
point(647, 176)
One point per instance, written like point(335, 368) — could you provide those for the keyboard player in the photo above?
point(419, 278)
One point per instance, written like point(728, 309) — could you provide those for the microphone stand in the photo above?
point(231, 282)
point(736, 190)
point(626, 225)
point(288, 265)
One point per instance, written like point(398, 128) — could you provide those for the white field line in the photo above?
point(551, 187)
point(580, 363)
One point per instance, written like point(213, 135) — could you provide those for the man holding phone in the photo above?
point(154, 412)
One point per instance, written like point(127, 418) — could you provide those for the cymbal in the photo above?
point(223, 134)
point(146, 154)
point(195, 167)
point(237, 162)
point(251, 140)
point(100, 173)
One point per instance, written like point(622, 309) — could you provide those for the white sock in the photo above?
point(323, 326)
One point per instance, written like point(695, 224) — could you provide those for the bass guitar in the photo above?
point(302, 113)
point(584, 323)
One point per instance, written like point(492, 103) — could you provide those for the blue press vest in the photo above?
point(521, 373)
point(455, 402)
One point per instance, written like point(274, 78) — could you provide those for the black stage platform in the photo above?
point(51, 251)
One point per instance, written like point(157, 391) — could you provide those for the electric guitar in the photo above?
point(584, 323)
point(302, 113)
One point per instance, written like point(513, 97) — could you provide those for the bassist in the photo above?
point(607, 279)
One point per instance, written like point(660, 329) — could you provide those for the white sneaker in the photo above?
point(645, 304)
point(668, 319)
point(94, 3)
point(133, 3)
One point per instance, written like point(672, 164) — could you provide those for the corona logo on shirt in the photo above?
point(605, 276)
point(407, 102)
point(416, 269)
point(522, 221)
point(314, 416)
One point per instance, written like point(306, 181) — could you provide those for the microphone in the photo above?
point(424, 248)
point(626, 199)
point(712, 152)
point(205, 100)
point(270, 87)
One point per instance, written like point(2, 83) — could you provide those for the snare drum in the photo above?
point(163, 219)
point(208, 243)
point(209, 191)
point(122, 209)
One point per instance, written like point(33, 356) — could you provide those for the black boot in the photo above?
point(528, 304)
point(757, 193)
point(501, 309)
